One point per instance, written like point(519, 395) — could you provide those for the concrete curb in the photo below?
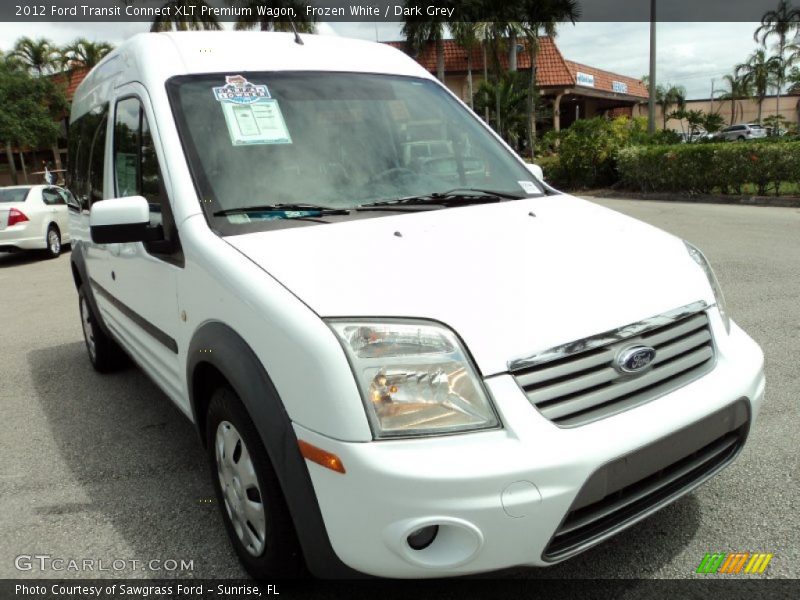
point(779, 201)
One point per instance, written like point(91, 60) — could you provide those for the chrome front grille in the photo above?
point(579, 383)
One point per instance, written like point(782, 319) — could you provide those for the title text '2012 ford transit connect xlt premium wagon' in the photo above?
point(406, 355)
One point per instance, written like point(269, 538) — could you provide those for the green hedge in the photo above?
point(727, 168)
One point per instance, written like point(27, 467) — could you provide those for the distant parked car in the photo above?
point(695, 135)
point(34, 217)
point(742, 132)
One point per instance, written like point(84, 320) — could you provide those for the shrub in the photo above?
point(587, 151)
point(708, 168)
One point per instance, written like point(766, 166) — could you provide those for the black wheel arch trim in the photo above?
point(78, 260)
point(220, 346)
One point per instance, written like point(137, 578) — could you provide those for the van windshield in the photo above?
point(334, 140)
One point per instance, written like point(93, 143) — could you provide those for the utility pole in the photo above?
point(651, 101)
point(712, 96)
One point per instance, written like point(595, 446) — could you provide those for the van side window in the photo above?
point(97, 157)
point(135, 163)
point(136, 168)
point(83, 134)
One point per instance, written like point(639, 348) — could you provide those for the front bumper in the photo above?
point(499, 497)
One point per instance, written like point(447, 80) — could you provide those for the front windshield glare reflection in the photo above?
point(338, 140)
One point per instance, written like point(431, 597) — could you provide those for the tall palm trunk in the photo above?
point(780, 77)
point(469, 77)
point(440, 59)
point(531, 121)
point(12, 165)
point(512, 51)
point(485, 79)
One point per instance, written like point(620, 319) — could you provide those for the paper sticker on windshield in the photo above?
point(528, 186)
point(252, 116)
point(240, 91)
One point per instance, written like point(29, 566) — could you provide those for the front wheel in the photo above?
point(253, 508)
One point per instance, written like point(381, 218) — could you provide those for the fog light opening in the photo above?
point(423, 537)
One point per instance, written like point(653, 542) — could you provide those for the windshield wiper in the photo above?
point(314, 210)
point(456, 196)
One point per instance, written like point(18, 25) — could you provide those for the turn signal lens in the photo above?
point(321, 457)
point(16, 216)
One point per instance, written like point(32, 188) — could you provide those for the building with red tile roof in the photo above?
point(572, 90)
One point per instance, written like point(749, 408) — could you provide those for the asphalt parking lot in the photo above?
point(103, 467)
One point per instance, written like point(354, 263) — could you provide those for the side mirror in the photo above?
point(536, 171)
point(122, 220)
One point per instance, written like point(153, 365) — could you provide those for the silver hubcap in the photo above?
point(88, 330)
point(237, 478)
point(54, 241)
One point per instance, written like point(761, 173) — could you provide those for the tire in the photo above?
point(740, 138)
point(53, 240)
point(104, 353)
point(253, 508)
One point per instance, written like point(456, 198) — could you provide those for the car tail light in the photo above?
point(16, 216)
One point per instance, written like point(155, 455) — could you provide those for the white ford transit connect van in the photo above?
point(406, 355)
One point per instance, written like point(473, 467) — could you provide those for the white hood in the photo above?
point(508, 283)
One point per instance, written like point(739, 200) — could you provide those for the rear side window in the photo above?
point(14, 194)
point(86, 154)
point(51, 197)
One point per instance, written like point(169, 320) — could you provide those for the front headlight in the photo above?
point(415, 378)
point(701, 260)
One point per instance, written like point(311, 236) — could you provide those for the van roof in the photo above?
point(153, 58)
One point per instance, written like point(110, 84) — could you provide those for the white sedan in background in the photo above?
point(34, 217)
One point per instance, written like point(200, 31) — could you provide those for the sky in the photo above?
point(689, 54)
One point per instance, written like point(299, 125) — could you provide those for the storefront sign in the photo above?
point(619, 87)
point(584, 79)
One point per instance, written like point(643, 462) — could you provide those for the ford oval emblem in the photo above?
point(635, 358)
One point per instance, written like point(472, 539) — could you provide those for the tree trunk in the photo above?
point(498, 122)
point(512, 51)
point(12, 165)
point(532, 108)
point(56, 157)
point(22, 162)
point(440, 59)
point(469, 78)
point(760, 100)
point(486, 80)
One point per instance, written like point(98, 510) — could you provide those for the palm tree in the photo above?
point(419, 33)
point(269, 23)
point(780, 23)
point(738, 89)
point(195, 21)
point(541, 19)
point(510, 95)
point(38, 56)
point(667, 96)
point(83, 53)
point(793, 79)
point(466, 36)
point(759, 73)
